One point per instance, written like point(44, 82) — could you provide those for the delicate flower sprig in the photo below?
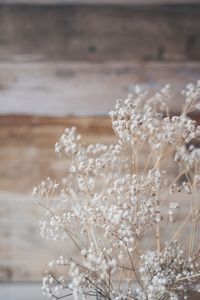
point(119, 204)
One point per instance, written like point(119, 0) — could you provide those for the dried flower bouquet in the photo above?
point(121, 205)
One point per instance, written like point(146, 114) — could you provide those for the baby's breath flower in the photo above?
point(116, 202)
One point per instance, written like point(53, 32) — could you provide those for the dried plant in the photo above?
point(131, 208)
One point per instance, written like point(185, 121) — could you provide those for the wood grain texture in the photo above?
point(27, 156)
point(81, 88)
point(27, 147)
point(99, 32)
point(100, 2)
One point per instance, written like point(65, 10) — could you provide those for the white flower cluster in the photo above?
point(166, 273)
point(52, 287)
point(112, 205)
point(68, 142)
point(191, 93)
point(136, 123)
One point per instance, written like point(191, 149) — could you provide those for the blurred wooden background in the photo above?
point(64, 63)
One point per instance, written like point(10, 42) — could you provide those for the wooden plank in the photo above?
point(80, 88)
point(99, 32)
point(28, 147)
point(26, 157)
point(97, 2)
